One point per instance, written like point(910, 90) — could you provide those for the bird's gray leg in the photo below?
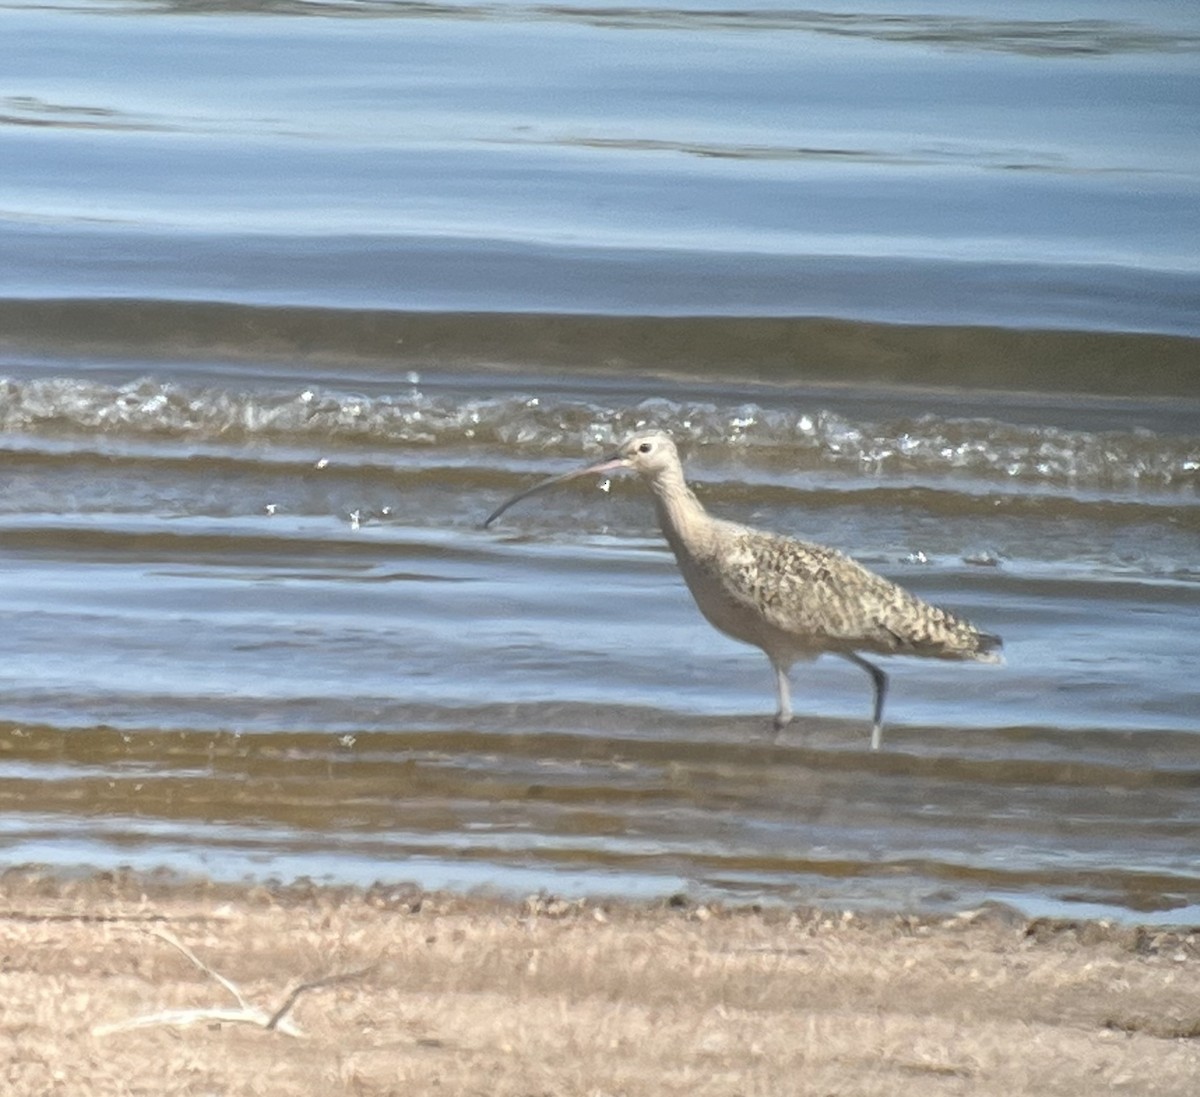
point(783, 691)
point(881, 684)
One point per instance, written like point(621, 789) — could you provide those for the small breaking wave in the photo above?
point(777, 442)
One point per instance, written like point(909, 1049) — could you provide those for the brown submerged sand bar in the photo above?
point(416, 993)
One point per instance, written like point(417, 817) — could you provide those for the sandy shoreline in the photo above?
point(433, 993)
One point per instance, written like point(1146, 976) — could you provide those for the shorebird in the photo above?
point(794, 599)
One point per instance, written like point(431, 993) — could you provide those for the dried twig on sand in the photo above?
point(245, 1014)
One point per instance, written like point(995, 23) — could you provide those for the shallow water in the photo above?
point(276, 336)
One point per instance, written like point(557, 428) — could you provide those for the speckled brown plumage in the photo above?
point(816, 598)
point(793, 599)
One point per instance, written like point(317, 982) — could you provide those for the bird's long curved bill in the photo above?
point(609, 464)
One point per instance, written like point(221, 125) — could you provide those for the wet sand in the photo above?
point(430, 993)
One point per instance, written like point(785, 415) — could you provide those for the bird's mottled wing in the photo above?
point(822, 596)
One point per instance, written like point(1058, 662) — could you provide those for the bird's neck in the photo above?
point(681, 515)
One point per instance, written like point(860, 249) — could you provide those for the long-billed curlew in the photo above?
point(794, 599)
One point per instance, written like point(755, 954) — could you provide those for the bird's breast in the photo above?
point(720, 584)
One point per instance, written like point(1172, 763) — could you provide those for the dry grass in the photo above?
point(476, 996)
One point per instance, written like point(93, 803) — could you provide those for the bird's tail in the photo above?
point(987, 648)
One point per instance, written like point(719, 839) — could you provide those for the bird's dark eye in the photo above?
point(645, 447)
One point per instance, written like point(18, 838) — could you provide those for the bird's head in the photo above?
point(649, 453)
